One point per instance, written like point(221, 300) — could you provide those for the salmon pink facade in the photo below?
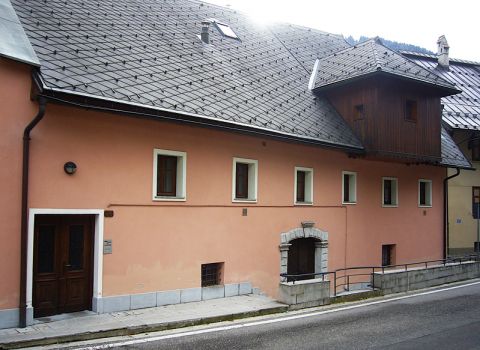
point(161, 245)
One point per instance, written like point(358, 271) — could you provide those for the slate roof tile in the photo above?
point(461, 111)
point(371, 57)
point(148, 52)
point(451, 154)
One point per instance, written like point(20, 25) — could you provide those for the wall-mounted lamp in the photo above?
point(70, 168)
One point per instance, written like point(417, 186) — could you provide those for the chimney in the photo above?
point(205, 34)
point(442, 53)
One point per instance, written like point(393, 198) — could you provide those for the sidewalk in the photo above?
point(88, 325)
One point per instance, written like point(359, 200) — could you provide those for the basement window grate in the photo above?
point(212, 274)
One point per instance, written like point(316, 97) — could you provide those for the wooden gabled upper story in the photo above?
point(392, 105)
point(391, 118)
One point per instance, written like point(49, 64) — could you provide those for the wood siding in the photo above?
point(383, 129)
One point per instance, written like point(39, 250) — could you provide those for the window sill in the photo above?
point(303, 203)
point(244, 200)
point(389, 205)
point(349, 203)
point(169, 199)
point(424, 206)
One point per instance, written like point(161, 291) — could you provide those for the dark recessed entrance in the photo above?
point(62, 264)
point(301, 258)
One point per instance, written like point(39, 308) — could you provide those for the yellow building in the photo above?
point(463, 225)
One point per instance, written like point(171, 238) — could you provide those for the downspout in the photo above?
point(24, 224)
point(445, 212)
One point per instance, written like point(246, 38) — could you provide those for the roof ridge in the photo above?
point(378, 61)
point(377, 58)
point(363, 43)
point(236, 11)
point(379, 42)
point(434, 57)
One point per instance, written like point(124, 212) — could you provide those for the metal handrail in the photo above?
point(296, 277)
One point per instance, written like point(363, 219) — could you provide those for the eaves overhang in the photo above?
point(443, 90)
point(133, 109)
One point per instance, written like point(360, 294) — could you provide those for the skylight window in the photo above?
point(226, 30)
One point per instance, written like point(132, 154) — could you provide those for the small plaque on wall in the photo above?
point(107, 246)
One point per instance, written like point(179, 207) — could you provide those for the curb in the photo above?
point(138, 329)
point(357, 296)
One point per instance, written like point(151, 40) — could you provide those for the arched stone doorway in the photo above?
point(313, 242)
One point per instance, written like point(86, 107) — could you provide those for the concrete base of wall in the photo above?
point(168, 297)
point(402, 281)
point(302, 294)
point(461, 251)
point(9, 318)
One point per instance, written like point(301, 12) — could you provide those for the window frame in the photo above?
point(252, 180)
point(390, 249)
point(354, 174)
point(474, 146)
point(359, 112)
point(308, 185)
point(411, 105)
point(204, 273)
point(181, 174)
point(474, 215)
point(220, 25)
point(429, 199)
point(395, 179)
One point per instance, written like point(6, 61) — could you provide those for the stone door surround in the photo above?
point(321, 247)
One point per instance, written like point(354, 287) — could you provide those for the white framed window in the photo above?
point(303, 186)
point(389, 192)
point(169, 175)
point(244, 180)
point(226, 30)
point(424, 193)
point(349, 187)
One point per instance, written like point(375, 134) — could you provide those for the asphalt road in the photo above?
point(443, 320)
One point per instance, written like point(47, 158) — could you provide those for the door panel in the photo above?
point(76, 275)
point(301, 258)
point(62, 264)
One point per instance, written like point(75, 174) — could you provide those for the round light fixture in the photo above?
point(70, 168)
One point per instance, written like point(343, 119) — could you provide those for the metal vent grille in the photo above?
point(211, 274)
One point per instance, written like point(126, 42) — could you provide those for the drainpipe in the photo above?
point(24, 224)
point(445, 212)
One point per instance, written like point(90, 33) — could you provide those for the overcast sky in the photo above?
point(418, 22)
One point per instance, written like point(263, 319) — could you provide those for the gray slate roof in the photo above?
point(14, 44)
point(148, 53)
point(371, 57)
point(452, 156)
point(461, 111)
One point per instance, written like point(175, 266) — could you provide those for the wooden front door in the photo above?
point(62, 270)
point(301, 258)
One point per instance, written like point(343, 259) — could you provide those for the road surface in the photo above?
point(441, 319)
